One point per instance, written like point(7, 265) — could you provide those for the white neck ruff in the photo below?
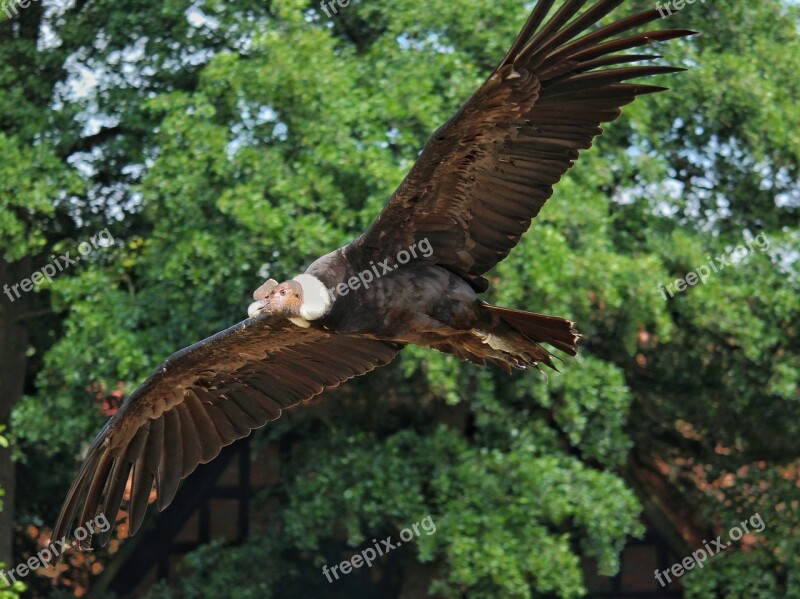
point(316, 299)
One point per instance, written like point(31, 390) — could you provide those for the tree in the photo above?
point(240, 141)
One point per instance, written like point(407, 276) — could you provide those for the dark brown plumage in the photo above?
point(481, 179)
point(184, 414)
point(488, 171)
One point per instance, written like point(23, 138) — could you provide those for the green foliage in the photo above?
point(216, 570)
point(3, 444)
point(15, 591)
point(247, 146)
point(32, 180)
point(507, 510)
point(17, 587)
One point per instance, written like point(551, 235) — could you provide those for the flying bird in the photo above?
point(473, 191)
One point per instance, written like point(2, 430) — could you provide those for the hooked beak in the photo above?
point(255, 308)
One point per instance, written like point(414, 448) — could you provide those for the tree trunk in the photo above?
point(13, 358)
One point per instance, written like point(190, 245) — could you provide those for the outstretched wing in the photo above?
point(485, 174)
point(203, 398)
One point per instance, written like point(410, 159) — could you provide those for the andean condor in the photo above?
point(472, 193)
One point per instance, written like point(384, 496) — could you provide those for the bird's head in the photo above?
point(283, 299)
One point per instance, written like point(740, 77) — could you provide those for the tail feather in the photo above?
point(510, 339)
point(540, 328)
point(514, 337)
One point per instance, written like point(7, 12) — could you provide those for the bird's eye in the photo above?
point(283, 292)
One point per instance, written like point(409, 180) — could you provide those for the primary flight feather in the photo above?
point(480, 180)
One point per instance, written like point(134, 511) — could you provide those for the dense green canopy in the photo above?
point(221, 143)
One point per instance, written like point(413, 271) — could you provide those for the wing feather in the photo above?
point(486, 173)
point(203, 398)
point(191, 452)
point(169, 468)
point(210, 441)
point(226, 430)
point(144, 474)
point(113, 495)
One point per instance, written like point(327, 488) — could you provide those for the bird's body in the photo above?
point(414, 277)
point(414, 299)
point(418, 303)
